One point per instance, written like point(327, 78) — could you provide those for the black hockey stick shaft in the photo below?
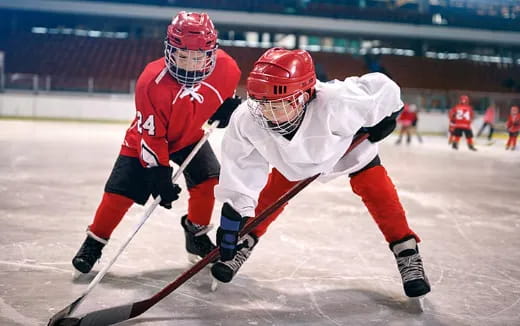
point(121, 313)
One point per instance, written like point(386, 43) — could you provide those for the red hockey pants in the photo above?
point(374, 187)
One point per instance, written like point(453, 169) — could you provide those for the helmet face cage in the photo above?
point(189, 67)
point(282, 115)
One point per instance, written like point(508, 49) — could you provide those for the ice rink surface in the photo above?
point(323, 262)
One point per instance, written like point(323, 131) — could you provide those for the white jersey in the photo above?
point(330, 122)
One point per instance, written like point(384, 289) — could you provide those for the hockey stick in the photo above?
point(118, 314)
point(208, 129)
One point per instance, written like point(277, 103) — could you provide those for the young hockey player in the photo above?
point(461, 116)
point(489, 121)
point(174, 96)
point(302, 127)
point(408, 121)
point(513, 127)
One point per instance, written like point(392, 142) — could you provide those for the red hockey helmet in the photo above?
point(464, 99)
point(276, 88)
point(190, 47)
point(279, 73)
point(514, 110)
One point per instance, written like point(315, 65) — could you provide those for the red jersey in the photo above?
point(169, 115)
point(489, 116)
point(407, 117)
point(513, 123)
point(461, 116)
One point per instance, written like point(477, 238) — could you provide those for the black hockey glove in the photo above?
point(223, 113)
point(227, 234)
point(160, 180)
point(383, 128)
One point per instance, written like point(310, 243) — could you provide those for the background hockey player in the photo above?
point(302, 127)
point(174, 96)
point(461, 116)
point(408, 121)
point(513, 127)
point(489, 121)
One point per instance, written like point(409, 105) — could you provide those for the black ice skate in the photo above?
point(472, 148)
point(198, 244)
point(410, 266)
point(455, 145)
point(224, 271)
point(89, 253)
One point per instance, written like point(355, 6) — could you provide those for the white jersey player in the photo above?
point(302, 127)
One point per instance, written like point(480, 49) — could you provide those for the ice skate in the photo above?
point(472, 147)
point(224, 271)
point(409, 262)
point(455, 145)
point(198, 244)
point(89, 253)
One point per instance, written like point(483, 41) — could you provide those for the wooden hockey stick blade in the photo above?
point(121, 313)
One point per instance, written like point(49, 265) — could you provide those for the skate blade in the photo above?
point(417, 304)
point(214, 282)
point(77, 275)
point(193, 258)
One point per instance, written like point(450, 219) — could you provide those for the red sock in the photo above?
point(470, 141)
point(380, 197)
point(201, 202)
point(277, 185)
point(109, 213)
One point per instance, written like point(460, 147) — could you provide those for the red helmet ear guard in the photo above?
point(192, 31)
point(280, 73)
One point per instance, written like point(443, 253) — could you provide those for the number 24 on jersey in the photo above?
point(148, 125)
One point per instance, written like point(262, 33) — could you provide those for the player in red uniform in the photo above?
point(174, 96)
point(408, 121)
point(461, 116)
point(513, 127)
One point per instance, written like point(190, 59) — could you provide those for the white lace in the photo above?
point(239, 259)
point(192, 92)
point(247, 246)
point(410, 267)
point(198, 229)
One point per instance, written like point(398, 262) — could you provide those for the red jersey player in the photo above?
point(461, 116)
point(408, 121)
point(174, 96)
point(513, 127)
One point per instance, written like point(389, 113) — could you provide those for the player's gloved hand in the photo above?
point(160, 180)
point(223, 113)
point(383, 128)
point(227, 234)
